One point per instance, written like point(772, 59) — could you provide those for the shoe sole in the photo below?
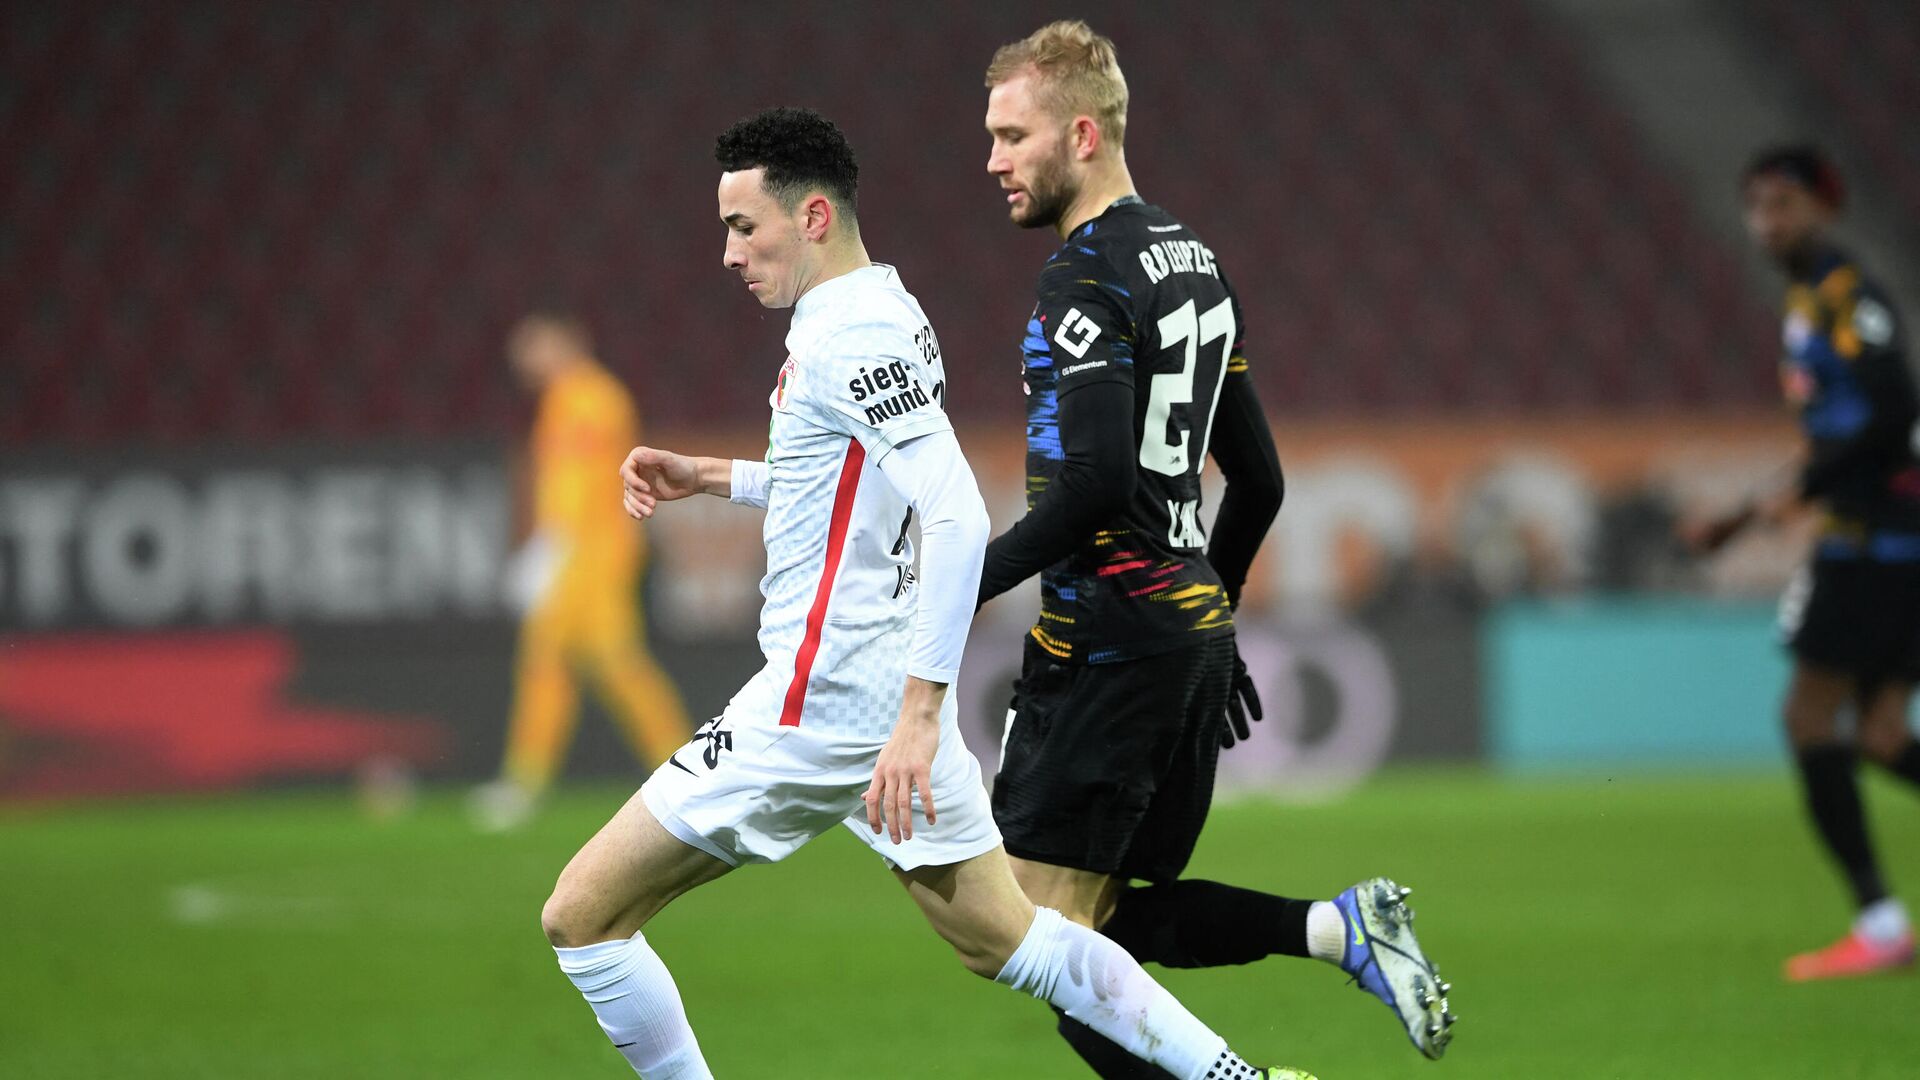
point(1891, 967)
point(1388, 921)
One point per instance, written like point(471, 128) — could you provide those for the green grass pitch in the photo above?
point(1593, 927)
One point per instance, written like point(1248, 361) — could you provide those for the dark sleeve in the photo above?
point(1242, 445)
point(1867, 337)
point(1095, 480)
point(1088, 337)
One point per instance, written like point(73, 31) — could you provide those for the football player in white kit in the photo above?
point(850, 721)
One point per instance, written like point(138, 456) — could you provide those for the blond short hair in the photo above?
point(1079, 74)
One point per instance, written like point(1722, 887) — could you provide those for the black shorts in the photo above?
point(1857, 616)
point(1109, 767)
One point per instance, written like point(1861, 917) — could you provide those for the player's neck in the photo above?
point(1810, 259)
point(1101, 191)
point(568, 367)
point(837, 261)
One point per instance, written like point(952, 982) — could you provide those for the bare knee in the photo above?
point(1883, 744)
point(577, 914)
point(987, 963)
point(986, 943)
point(1883, 726)
point(1808, 723)
point(569, 920)
point(976, 907)
point(1814, 702)
point(986, 950)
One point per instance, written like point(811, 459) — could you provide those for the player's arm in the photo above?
point(1091, 338)
point(649, 477)
point(1865, 336)
point(1777, 500)
point(1242, 445)
point(932, 475)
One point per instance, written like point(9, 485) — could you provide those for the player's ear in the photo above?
point(816, 216)
point(1087, 137)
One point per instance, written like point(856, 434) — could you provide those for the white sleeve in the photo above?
point(869, 381)
point(749, 483)
point(932, 474)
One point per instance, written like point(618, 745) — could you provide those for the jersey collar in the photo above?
point(823, 295)
point(1087, 226)
point(1813, 267)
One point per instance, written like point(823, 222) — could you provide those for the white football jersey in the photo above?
point(862, 375)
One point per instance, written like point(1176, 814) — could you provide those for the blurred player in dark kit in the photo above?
point(1852, 615)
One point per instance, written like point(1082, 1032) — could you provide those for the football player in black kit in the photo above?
point(1852, 616)
point(1135, 374)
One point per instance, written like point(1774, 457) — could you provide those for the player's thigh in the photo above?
point(975, 906)
point(631, 869)
point(1087, 748)
point(1816, 696)
point(1884, 708)
point(1084, 896)
point(1164, 840)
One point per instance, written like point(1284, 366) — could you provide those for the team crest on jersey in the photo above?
point(778, 399)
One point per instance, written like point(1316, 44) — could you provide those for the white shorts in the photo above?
point(745, 791)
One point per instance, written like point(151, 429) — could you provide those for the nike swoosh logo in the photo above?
point(675, 762)
point(1358, 938)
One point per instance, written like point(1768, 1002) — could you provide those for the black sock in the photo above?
point(1196, 924)
point(1906, 764)
point(1188, 924)
point(1833, 798)
point(1104, 1056)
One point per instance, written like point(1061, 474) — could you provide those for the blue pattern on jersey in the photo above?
point(1839, 407)
point(1043, 405)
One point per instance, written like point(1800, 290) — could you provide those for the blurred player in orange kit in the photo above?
point(576, 578)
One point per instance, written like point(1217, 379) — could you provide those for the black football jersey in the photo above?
point(1133, 296)
point(1846, 373)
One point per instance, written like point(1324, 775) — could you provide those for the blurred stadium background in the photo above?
point(257, 261)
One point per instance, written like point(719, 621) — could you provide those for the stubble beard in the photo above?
point(1049, 194)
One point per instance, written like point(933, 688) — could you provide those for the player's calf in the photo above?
point(1090, 979)
point(979, 909)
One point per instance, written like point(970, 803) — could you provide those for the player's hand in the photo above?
point(649, 477)
point(1778, 508)
point(906, 762)
point(1709, 536)
point(1243, 706)
point(531, 571)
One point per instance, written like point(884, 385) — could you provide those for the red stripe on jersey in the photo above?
point(817, 615)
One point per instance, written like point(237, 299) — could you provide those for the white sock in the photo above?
point(638, 1006)
point(1326, 932)
point(1094, 981)
point(1882, 922)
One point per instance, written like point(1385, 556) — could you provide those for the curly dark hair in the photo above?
point(800, 149)
point(1804, 164)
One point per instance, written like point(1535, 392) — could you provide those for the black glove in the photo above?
point(1243, 705)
